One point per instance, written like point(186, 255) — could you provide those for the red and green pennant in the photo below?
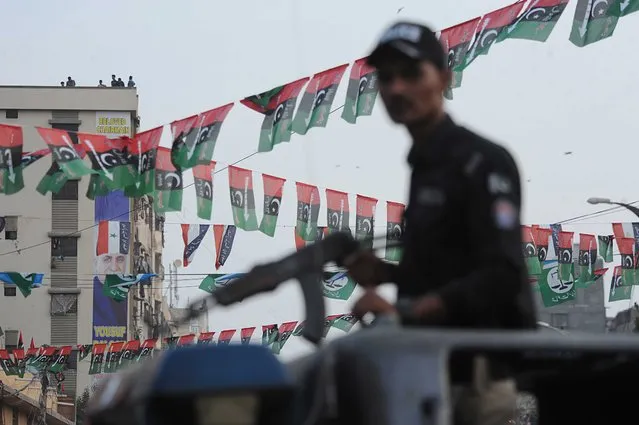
point(285, 332)
point(541, 236)
point(456, 41)
point(628, 266)
point(361, 92)
point(394, 230)
point(273, 190)
point(194, 138)
point(55, 179)
point(337, 211)
point(64, 152)
point(537, 21)
point(491, 29)
point(242, 198)
point(317, 101)
point(277, 105)
point(564, 256)
point(11, 180)
point(365, 220)
point(112, 170)
point(619, 290)
point(29, 158)
point(587, 259)
point(530, 251)
point(308, 206)
point(142, 155)
point(168, 183)
point(203, 181)
point(225, 337)
point(246, 334)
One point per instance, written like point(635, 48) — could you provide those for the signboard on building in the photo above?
point(113, 124)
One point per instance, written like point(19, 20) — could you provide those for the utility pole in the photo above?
point(44, 385)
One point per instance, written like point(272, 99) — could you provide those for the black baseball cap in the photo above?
point(413, 40)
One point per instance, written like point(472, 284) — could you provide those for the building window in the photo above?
point(64, 247)
point(69, 192)
point(9, 228)
point(559, 320)
point(63, 304)
point(10, 290)
point(11, 340)
point(195, 329)
point(11, 114)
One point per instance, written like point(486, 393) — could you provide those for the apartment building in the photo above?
point(55, 234)
point(145, 305)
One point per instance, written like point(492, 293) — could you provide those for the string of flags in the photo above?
point(140, 166)
point(336, 285)
point(553, 272)
point(116, 356)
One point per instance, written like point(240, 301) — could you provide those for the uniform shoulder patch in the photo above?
point(505, 214)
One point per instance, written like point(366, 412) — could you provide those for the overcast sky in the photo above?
point(538, 99)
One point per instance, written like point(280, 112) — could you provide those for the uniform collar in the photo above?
point(436, 145)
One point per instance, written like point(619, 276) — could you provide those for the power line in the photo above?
point(48, 241)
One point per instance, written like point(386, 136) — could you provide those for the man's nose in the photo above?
point(397, 85)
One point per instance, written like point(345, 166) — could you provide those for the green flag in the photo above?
point(554, 290)
point(116, 286)
point(218, 280)
point(361, 92)
point(23, 281)
point(537, 21)
point(338, 285)
point(345, 322)
point(625, 7)
point(605, 247)
point(594, 21)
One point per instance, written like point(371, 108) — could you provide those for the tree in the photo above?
point(81, 405)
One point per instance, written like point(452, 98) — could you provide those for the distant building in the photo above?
point(20, 402)
point(195, 326)
point(625, 321)
point(586, 313)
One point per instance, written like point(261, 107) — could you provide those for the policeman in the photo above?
point(462, 264)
